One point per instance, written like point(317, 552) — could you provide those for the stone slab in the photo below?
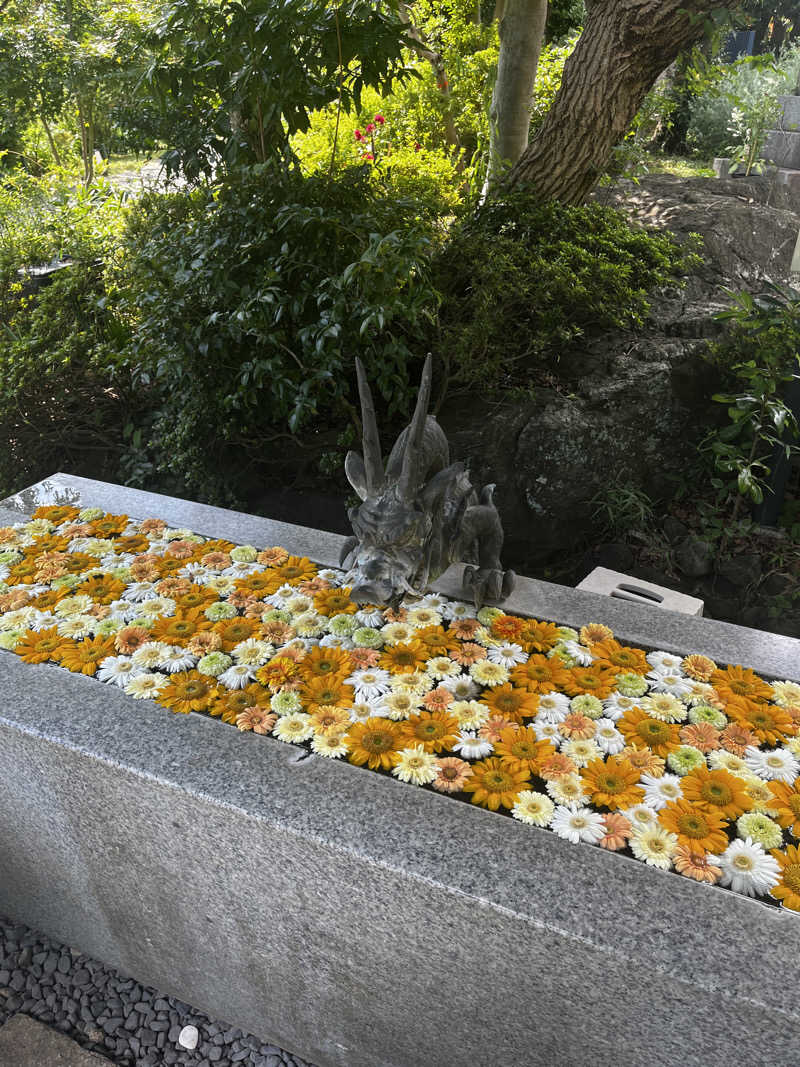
point(24, 1042)
point(770, 654)
point(782, 147)
point(625, 587)
point(790, 113)
point(361, 922)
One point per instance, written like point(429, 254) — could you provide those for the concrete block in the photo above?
point(782, 147)
point(624, 587)
point(358, 921)
point(790, 113)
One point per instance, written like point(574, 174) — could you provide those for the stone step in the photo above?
point(24, 1042)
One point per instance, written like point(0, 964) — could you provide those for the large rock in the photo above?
point(629, 408)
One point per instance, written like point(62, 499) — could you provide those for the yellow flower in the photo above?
point(493, 783)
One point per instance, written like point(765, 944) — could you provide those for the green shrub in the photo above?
point(253, 300)
point(63, 400)
point(522, 281)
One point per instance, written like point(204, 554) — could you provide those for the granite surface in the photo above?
point(770, 654)
point(26, 1043)
point(298, 896)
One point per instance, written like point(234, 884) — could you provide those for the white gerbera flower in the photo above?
point(581, 751)
point(547, 731)
point(461, 686)
point(457, 609)
point(118, 670)
point(241, 570)
point(237, 676)
point(484, 672)
point(145, 686)
point(472, 747)
point(42, 620)
point(508, 655)
point(533, 808)
point(786, 693)
point(665, 661)
point(138, 592)
point(553, 707)
point(122, 609)
point(658, 792)
point(370, 616)
point(415, 765)
point(662, 681)
point(615, 705)
point(746, 868)
point(71, 606)
point(665, 707)
point(151, 654)
point(17, 620)
point(253, 652)
point(567, 789)
point(641, 816)
point(371, 682)
point(396, 633)
point(578, 824)
point(332, 641)
point(330, 575)
point(720, 760)
point(78, 626)
point(470, 714)
point(221, 585)
point(654, 845)
point(293, 727)
point(580, 653)
point(609, 739)
point(397, 705)
point(419, 617)
point(197, 573)
point(362, 710)
point(441, 667)
point(773, 765)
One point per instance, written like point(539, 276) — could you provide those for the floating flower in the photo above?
point(612, 783)
point(258, 719)
point(618, 830)
point(373, 742)
point(578, 824)
point(787, 888)
point(654, 845)
point(760, 828)
point(658, 792)
point(452, 772)
point(533, 808)
point(415, 765)
point(787, 805)
point(747, 869)
point(777, 764)
point(567, 789)
point(472, 747)
point(695, 827)
point(293, 728)
point(684, 759)
point(701, 668)
point(697, 864)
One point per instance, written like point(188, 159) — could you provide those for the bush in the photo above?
point(253, 299)
point(63, 400)
point(522, 281)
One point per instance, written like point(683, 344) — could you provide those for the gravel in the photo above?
point(119, 1018)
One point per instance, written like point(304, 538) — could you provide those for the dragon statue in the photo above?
point(418, 514)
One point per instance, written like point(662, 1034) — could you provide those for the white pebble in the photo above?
point(188, 1037)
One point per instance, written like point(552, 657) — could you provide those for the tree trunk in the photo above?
point(521, 30)
point(51, 141)
point(624, 47)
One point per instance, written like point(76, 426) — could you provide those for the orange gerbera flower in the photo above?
point(468, 653)
point(195, 599)
point(44, 546)
point(109, 525)
point(702, 736)
point(695, 863)
point(493, 783)
point(434, 730)
point(262, 584)
point(594, 633)
point(612, 654)
point(511, 702)
point(740, 682)
point(328, 719)
point(554, 766)
point(403, 658)
point(639, 729)
point(229, 703)
point(612, 783)
point(82, 657)
point(373, 742)
point(272, 557)
point(129, 638)
point(279, 672)
point(234, 631)
point(188, 691)
point(146, 568)
point(335, 601)
point(438, 699)
point(577, 727)
point(736, 738)
point(596, 680)
point(541, 675)
point(770, 723)
point(39, 647)
point(452, 774)
point(618, 830)
point(718, 791)
point(23, 573)
point(134, 543)
point(696, 827)
point(102, 588)
point(538, 636)
point(507, 628)
point(323, 662)
point(518, 748)
point(56, 513)
point(463, 629)
point(493, 728)
point(787, 804)
point(788, 888)
point(644, 760)
point(435, 641)
point(259, 720)
point(325, 690)
point(701, 668)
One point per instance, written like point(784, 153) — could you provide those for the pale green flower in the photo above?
point(244, 554)
point(9, 557)
point(631, 684)
point(9, 639)
point(761, 828)
point(486, 616)
point(560, 650)
point(98, 546)
point(277, 616)
point(286, 703)
point(705, 713)
point(67, 581)
point(685, 759)
point(566, 633)
point(367, 637)
point(122, 574)
point(342, 625)
point(90, 514)
point(106, 627)
point(220, 610)
point(587, 705)
point(214, 663)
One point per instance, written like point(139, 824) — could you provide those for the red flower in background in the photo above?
point(380, 120)
point(359, 136)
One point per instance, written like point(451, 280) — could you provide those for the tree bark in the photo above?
point(521, 29)
point(436, 61)
point(624, 47)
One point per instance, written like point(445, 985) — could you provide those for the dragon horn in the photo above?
point(410, 473)
point(373, 464)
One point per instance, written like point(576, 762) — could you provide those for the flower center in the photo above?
point(744, 863)
point(791, 877)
